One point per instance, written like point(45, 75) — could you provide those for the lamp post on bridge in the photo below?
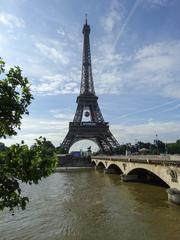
point(157, 144)
point(166, 150)
point(136, 145)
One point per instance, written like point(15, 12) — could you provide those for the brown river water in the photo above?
point(89, 205)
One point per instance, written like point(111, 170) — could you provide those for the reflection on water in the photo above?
point(90, 205)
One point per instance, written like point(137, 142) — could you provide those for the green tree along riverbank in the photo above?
point(157, 147)
point(19, 163)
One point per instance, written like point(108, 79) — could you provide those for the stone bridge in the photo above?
point(157, 169)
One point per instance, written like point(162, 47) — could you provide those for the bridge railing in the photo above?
point(148, 159)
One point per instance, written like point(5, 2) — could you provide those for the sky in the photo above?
point(135, 49)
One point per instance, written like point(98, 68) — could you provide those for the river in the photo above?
point(89, 205)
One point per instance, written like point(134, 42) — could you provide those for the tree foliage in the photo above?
point(174, 148)
point(158, 147)
point(23, 164)
point(19, 163)
point(60, 150)
point(15, 97)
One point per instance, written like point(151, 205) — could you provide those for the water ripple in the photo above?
point(89, 205)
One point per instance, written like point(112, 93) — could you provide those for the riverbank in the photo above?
point(70, 169)
point(68, 161)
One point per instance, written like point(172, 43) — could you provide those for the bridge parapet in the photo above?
point(151, 157)
point(156, 159)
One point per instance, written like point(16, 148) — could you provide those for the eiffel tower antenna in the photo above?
point(94, 128)
point(87, 86)
point(86, 18)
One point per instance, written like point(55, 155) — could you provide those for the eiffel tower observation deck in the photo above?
point(88, 122)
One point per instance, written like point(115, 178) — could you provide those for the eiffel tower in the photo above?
point(94, 128)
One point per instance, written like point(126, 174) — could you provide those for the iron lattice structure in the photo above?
point(95, 128)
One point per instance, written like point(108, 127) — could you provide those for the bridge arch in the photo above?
point(142, 174)
point(115, 167)
point(93, 163)
point(101, 165)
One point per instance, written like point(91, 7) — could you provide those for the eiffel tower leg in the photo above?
point(107, 143)
point(100, 145)
point(112, 141)
point(78, 114)
point(67, 142)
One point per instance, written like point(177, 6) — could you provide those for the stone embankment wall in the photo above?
point(70, 161)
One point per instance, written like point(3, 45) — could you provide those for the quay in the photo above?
point(72, 169)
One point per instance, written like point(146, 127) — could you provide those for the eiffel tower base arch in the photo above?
point(97, 132)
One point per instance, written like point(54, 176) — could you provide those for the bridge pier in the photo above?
point(129, 178)
point(173, 195)
point(99, 168)
point(110, 171)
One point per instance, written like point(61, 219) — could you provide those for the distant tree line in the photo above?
point(174, 148)
point(158, 147)
point(19, 163)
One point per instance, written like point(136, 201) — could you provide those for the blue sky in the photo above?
point(135, 48)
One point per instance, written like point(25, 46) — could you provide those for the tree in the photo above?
point(49, 146)
point(174, 148)
point(2, 147)
point(15, 97)
point(60, 150)
point(19, 163)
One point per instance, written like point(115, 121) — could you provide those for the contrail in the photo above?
point(147, 109)
point(133, 9)
point(173, 108)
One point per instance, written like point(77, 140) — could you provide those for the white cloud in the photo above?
point(154, 3)
point(108, 61)
point(56, 129)
point(11, 20)
point(172, 90)
point(156, 68)
point(108, 82)
point(167, 131)
point(153, 68)
point(56, 84)
point(63, 114)
point(32, 128)
point(61, 32)
point(52, 53)
point(114, 16)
